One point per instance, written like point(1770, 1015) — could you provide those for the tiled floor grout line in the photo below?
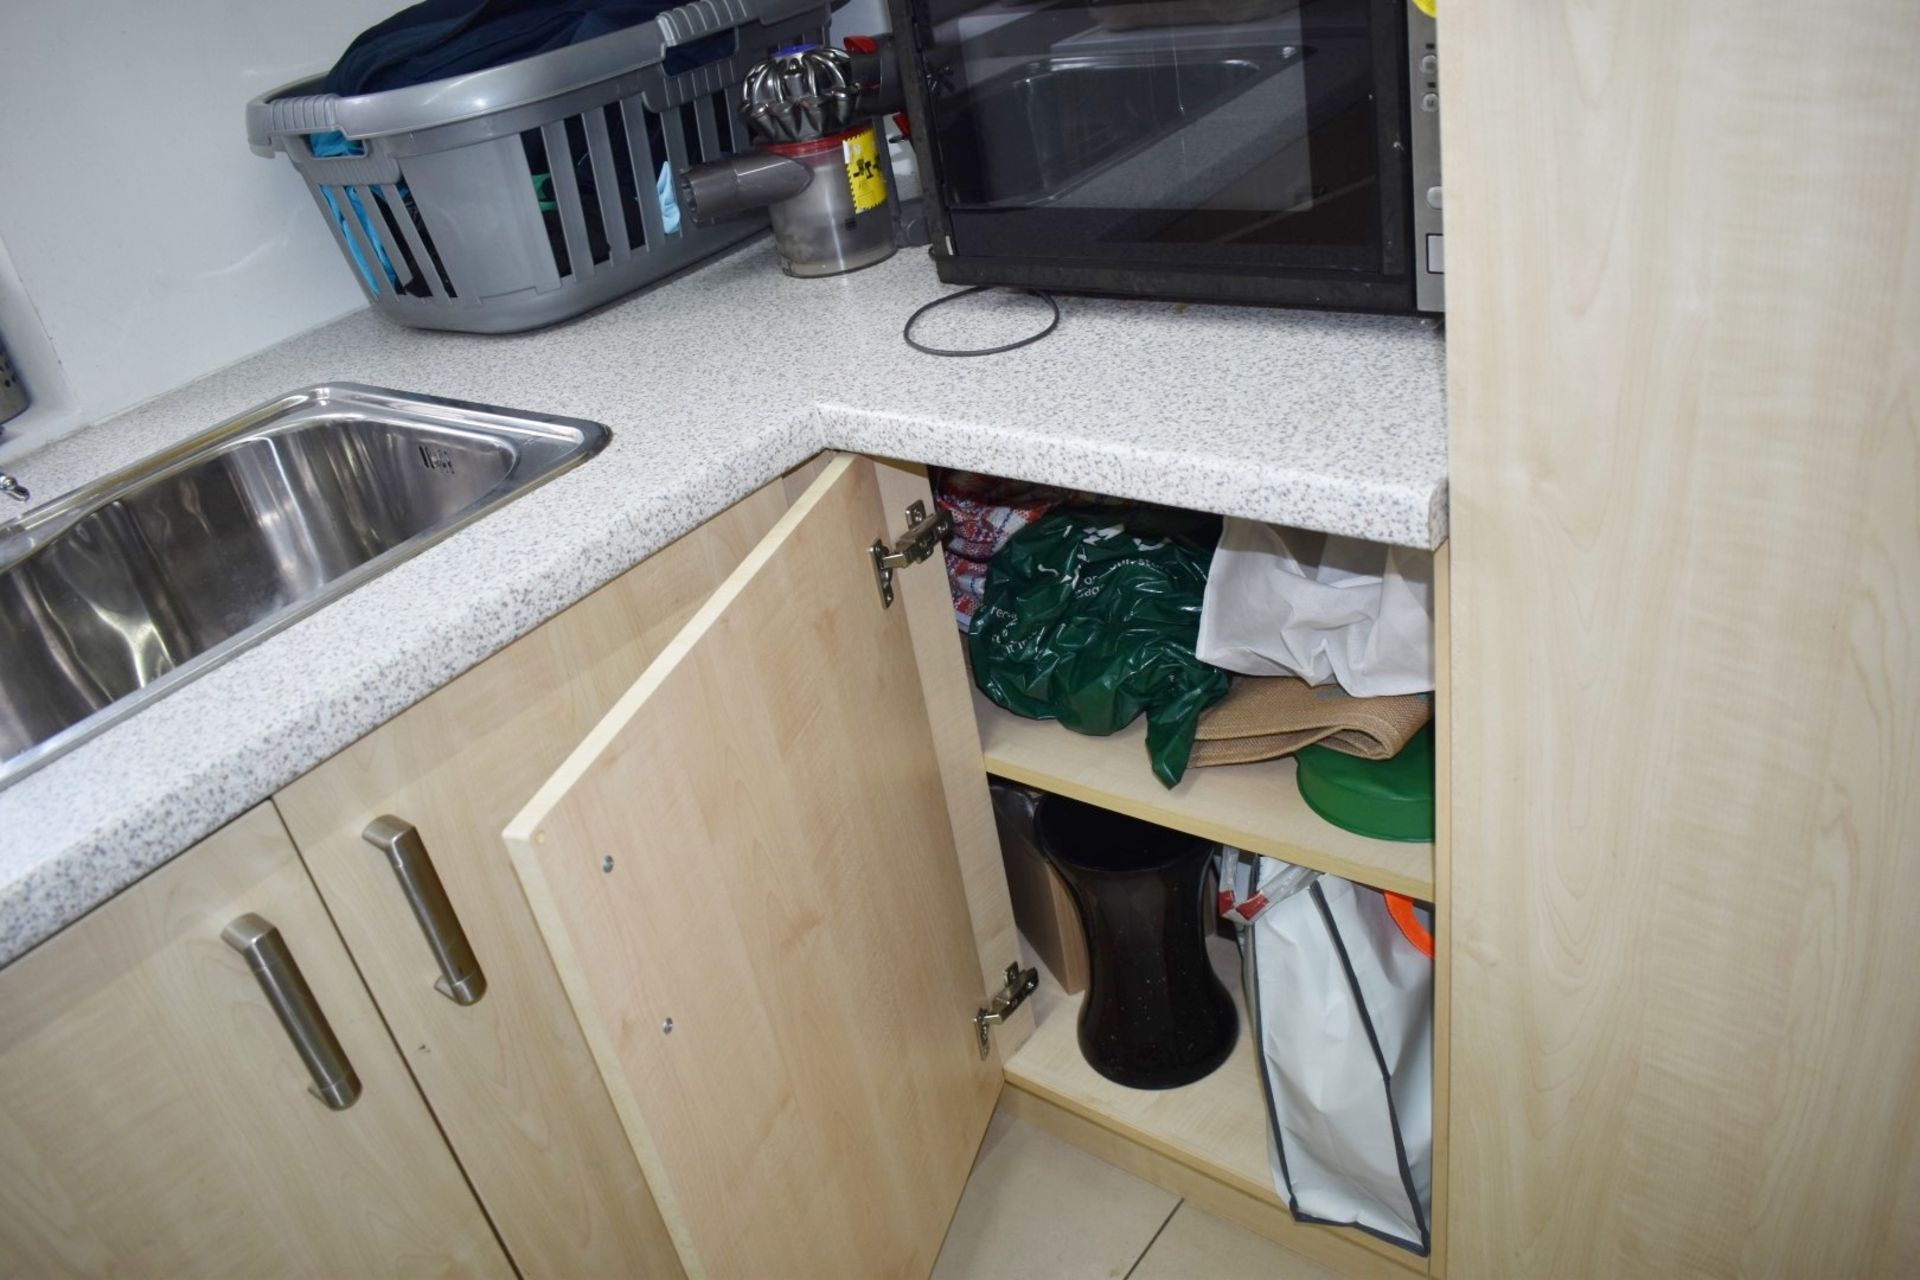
point(1150, 1243)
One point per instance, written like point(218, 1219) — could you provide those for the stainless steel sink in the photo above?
point(117, 593)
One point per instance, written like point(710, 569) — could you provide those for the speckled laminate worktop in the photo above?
point(713, 385)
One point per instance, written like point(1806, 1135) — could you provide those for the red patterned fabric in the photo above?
point(986, 512)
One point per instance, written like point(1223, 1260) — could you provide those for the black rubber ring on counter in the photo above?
point(907, 332)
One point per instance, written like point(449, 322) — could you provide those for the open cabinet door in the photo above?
point(747, 878)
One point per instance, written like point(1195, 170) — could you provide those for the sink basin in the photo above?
point(117, 593)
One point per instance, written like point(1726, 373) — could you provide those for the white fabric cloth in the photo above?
point(1324, 964)
point(1321, 607)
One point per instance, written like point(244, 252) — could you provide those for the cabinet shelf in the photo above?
point(1255, 807)
point(1217, 1124)
point(1216, 1127)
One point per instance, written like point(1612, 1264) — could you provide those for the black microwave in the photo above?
point(1265, 151)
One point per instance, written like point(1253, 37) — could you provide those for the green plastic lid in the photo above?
point(1385, 799)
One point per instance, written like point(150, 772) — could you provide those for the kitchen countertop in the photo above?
point(713, 384)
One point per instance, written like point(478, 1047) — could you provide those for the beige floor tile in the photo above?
point(1038, 1208)
point(1197, 1246)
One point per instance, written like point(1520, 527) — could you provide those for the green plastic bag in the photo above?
point(1089, 618)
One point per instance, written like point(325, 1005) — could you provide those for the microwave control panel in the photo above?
point(1423, 144)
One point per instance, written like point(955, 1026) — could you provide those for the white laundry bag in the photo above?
point(1324, 608)
point(1340, 995)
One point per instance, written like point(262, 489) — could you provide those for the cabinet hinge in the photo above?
point(923, 537)
point(1019, 985)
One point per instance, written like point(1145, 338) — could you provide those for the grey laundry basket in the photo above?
point(439, 213)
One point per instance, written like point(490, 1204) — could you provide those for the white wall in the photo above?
point(144, 237)
point(141, 243)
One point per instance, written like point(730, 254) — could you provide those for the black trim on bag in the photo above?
point(1386, 1082)
point(1252, 969)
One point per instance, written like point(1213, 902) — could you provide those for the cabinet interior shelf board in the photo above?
point(1215, 1127)
point(1256, 807)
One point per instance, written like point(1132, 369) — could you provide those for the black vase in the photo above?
point(1155, 1015)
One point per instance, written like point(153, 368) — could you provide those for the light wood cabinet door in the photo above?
point(155, 1119)
point(748, 878)
point(1684, 402)
point(509, 1076)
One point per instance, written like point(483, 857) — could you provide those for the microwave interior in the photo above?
point(1249, 149)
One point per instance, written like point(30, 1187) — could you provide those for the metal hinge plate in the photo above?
point(923, 537)
point(1020, 984)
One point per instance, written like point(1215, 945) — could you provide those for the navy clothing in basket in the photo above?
point(440, 38)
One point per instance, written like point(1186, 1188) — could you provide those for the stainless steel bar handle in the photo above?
point(461, 980)
point(334, 1082)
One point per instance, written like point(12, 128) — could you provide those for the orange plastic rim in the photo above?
point(1400, 907)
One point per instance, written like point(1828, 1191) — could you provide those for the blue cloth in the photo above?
point(669, 203)
point(338, 144)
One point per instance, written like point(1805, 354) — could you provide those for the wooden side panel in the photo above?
point(747, 877)
point(797, 481)
point(1684, 302)
point(1442, 894)
point(922, 591)
point(511, 1077)
point(154, 1120)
